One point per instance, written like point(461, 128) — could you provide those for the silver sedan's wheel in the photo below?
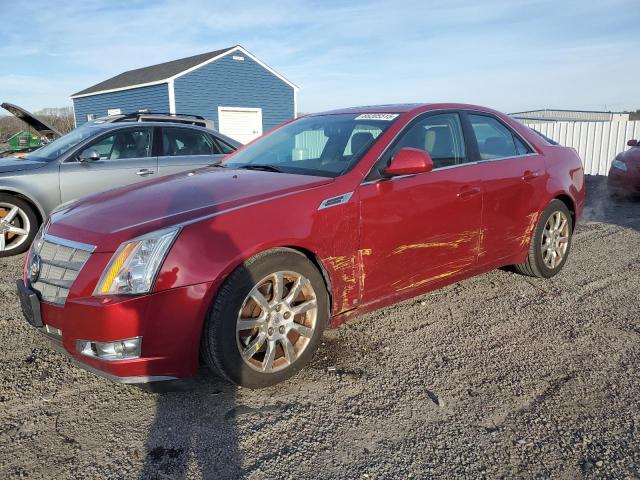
point(555, 239)
point(276, 321)
point(15, 227)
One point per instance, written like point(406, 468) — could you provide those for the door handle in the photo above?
point(143, 172)
point(468, 192)
point(530, 175)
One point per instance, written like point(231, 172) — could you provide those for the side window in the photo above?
point(440, 135)
point(495, 140)
point(225, 147)
point(521, 148)
point(130, 143)
point(183, 141)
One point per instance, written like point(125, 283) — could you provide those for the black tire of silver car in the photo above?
point(267, 319)
point(551, 242)
point(18, 225)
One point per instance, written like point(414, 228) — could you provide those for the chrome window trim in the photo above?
point(475, 162)
point(69, 243)
point(489, 160)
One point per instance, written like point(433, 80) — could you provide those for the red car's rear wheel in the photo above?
point(550, 243)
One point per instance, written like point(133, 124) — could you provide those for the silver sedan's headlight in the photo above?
point(135, 265)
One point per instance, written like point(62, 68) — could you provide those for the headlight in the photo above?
point(619, 165)
point(133, 268)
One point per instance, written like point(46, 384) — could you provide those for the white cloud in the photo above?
point(494, 52)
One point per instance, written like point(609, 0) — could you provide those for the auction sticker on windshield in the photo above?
point(377, 116)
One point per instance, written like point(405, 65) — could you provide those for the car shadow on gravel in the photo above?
point(602, 207)
point(193, 433)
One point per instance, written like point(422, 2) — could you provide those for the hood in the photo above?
point(632, 154)
point(32, 120)
point(15, 164)
point(109, 218)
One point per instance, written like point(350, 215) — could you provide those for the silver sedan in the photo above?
point(93, 158)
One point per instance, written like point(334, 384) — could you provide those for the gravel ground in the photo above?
point(496, 376)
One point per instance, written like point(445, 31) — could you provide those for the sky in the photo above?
point(511, 55)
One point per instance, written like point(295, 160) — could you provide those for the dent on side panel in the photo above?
point(342, 259)
point(465, 237)
point(415, 281)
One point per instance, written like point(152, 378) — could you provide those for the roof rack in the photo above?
point(136, 115)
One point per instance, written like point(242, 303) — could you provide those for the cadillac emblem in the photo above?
point(34, 269)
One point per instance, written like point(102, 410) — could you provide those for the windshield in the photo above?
point(324, 145)
point(63, 144)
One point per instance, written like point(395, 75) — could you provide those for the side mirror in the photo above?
point(409, 161)
point(92, 157)
point(633, 143)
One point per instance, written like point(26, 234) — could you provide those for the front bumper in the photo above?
point(170, 323)
point(624, 182)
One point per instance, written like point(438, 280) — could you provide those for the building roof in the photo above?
point(154, 73)
point(553, 114)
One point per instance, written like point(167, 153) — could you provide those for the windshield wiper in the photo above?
point(263, 167)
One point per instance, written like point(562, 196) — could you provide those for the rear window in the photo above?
point(543, 136)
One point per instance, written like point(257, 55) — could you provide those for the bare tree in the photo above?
point(59, 118)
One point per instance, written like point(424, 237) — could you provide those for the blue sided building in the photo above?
point(241, 95)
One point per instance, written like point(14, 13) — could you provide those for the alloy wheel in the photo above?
point(555, 239)
point(14, 226)
point(277, 321)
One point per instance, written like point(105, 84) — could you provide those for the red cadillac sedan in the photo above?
point(243, 265)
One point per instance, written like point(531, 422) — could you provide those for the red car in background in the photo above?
point(624, 174)
point(244, 264)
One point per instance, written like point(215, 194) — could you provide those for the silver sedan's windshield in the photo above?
point(323, 145)
point(63, 144)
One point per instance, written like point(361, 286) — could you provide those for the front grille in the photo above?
point(60, 264)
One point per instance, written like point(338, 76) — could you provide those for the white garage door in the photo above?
point(241, 124)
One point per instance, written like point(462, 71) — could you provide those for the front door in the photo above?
point(125, 158)
point(186, 148)
point(241, 124)
point(418, 230)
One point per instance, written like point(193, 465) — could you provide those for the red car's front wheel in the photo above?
point(267, 320)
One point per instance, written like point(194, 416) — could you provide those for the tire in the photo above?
point(24, 219)
point(223, 338)
point(536, 264)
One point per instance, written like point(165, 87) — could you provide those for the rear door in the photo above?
point(184, 148)
point(421, 229)
point(514, 177)
point(125, 158)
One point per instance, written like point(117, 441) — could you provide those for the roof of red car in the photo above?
point(401, 108)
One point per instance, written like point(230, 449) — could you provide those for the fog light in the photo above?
point(116, 350)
